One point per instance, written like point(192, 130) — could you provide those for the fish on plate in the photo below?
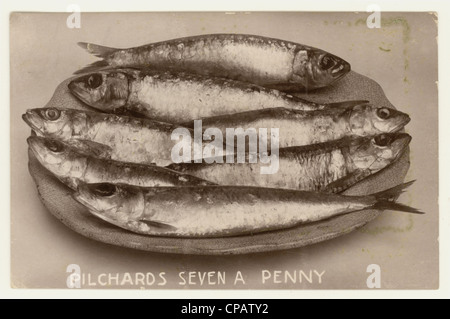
point(180, 97)
point(331, 166)
point(217, 211)
point(73, 165)
point(129, 139)
point(298, 128)
point(274, 63)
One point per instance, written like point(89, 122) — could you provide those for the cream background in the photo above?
point(43, 53)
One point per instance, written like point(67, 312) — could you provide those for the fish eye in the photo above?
point(54, 146)
point(52, 114)
point(94, 81)
point(382, 140)
point(326, 62)
point(104, 189)
point(383, 113)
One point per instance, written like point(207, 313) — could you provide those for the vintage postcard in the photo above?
point(224, 150)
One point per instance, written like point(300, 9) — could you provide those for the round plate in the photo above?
point(58, 198)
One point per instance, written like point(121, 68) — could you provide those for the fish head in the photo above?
point(103, 90)
point(375, 153)
point(55, 156)
point(318, 68)
point(367, 120)
point(53, 122)
point(117, 204)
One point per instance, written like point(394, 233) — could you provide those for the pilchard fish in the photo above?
point(331, 166)
point(72, 166)
point(298, 128)
point(130, 139)
point(265, 61)
point(213, 211)
point(176, 98)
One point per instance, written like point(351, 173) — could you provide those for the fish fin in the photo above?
point(93, 148)
point(97, 50)
point(285, 87)
point(389, 205)
point(392, 193)
point(340, 185)
point(189, 124)
point(319, 148)
point(345, 104)
point(102, 153)
point(177, 166)
point(96, 66)
point(385, 199)
point(206, 183)
point(156, 224)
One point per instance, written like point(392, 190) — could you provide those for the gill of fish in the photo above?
point(130, 139)
point(75, 169)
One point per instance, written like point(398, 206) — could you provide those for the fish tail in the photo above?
point(97, 50)
point(392, 193)
point(389, 205)
point(385, 200)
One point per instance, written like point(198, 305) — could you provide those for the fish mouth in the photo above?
point(30, 118)
point(77, 91)
point(401, 143)
point(80, 196)
point(33, 143)
point(341, 70)
point(73, 87)
point(401, 125)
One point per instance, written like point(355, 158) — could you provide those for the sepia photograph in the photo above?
point(224, 150)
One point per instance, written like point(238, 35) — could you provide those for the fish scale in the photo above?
point(129, 139)
point(310, 168)
point(216, 211)
point(265, 61)
point(72, 166)
point(299, 128)
point(180, 97)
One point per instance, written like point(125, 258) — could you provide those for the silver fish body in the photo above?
point(265, 61)
point(179, 97)
point(129, 139)
point(299, 128)
point(331, 166)
point(72, 167)
point(217, 211)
